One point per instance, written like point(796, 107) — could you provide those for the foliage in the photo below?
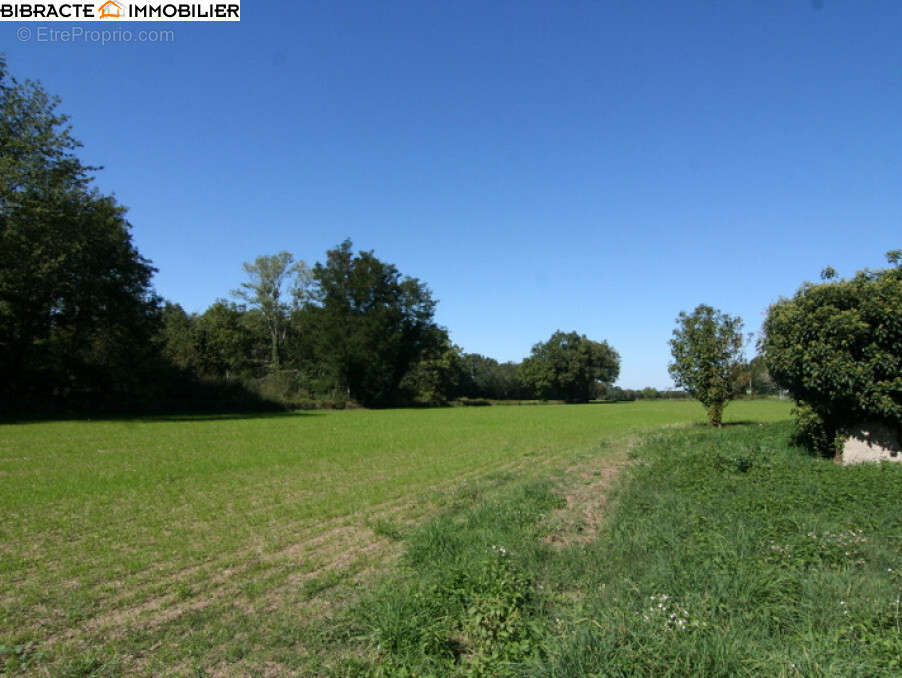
point(437, 377)
point(568, 366)
point(485, 377)
point(77, 313)
point(229, 343)
point(619, 394)
point(753, 378)
point(707, 355)
point(361, 331)
point(812, 432)
point(372, 325)
point(224, 342)
point(269, 275)
point(836, 346)
point(731, 553)
point(467, 603)
point(176, 336)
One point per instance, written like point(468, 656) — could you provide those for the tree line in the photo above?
point(353, 329)
point(81, 326)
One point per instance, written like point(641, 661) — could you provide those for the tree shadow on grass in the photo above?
point(219, 416)
point(725, 424)
point(159, 418)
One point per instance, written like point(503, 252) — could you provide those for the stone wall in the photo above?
point(871, 442)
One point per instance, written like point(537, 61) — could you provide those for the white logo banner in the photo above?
point(116, 10)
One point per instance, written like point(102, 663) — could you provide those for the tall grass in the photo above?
point(727, 553)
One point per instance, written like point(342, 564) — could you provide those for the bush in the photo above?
point(813, 433)
point(836, 347)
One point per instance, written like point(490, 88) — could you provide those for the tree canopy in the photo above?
point(568, 365)
point(707, 356)
point(268, 278)
point(77, 312)
point(372, 324)
point(836, 346)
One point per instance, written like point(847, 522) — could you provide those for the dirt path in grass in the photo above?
point(586, 488)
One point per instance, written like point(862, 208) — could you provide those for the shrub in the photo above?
point(836, 346)
point(812, 432)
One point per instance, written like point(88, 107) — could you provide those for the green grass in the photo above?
point(181, 545)
point(727, 553)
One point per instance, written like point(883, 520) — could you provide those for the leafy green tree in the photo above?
point(224, 341)
point(507, 382)
point(484, 377)
point(478, 378)
point(613, 393)
point(270, 277)
point(177, 336)
point(836, 346)
point(77, 313)
point(754, 379)
point(371, 324)
point(707, 356)
point(439, 375)
point(568, 366)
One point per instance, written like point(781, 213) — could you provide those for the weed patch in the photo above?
point(467, 601)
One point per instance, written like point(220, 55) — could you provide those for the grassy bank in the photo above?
point(727, 553)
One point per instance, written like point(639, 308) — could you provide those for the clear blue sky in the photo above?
point(589, 166)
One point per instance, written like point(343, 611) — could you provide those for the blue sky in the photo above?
point(589, 166)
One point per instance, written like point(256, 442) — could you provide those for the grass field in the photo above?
point(725, 553)
point(192, 545)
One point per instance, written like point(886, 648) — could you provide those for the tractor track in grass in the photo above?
point(343, 546)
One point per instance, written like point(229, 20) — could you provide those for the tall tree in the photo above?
point(568, 366)
point(707, 356)
point(270, 277)
point(372, 324)
point(77, 313)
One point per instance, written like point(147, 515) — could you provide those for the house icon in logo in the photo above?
point(110, 10)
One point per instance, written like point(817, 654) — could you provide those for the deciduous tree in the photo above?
point(77, 312)
point(371, 324)
point(270, 278)
point(707, 356)
point(438, 376)
point(568, 365)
